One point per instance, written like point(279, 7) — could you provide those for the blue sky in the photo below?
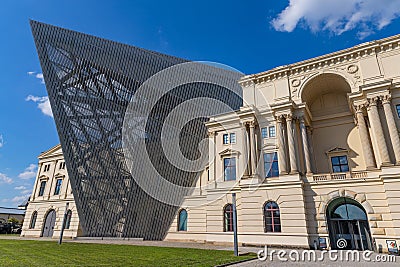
point(251, 36)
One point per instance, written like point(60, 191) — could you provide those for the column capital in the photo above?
point(288, 117)
point(279, 118)
point(252, 124)
point(385, 98)
point(359, 108)
point(373, 101)
point(212, 134)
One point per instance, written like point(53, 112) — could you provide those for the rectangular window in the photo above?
point(46, 167)
point(232, 138)
point(271, 165)
point(272, 132)
point(398, 111)
point(230, 169)
point(62, 165)
point(58, 187)
point(225, 139)
point(42, 187)
point(340, 164)
point(264, 133)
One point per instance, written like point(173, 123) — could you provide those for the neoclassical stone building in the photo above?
point(48, 202)
point(312, 155)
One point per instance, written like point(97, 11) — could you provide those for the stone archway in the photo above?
point(361, 198)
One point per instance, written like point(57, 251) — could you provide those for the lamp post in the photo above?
point(63, 224)
point(235, 234)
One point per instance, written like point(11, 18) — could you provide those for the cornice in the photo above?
point(348, 55)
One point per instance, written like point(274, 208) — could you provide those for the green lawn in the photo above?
point(48, 253)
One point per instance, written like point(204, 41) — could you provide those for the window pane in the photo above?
point(336, 169)
point(277, 228)
point(335, 160)
point(225, 139)
point(345, 168)
point(268, 157)
point(272, 132)
point(398, 110)
point(232, 138)
point(264, 133)
point(269, 228)
point(343, 160)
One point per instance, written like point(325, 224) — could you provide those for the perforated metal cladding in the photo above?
point(90, 82)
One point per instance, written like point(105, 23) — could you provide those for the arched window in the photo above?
point(68, 219)
point(182, 220)
point(272, 217)
point(33, 220)
point(228, 218)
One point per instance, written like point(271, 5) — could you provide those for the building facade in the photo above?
point(313, 156)
point(51, 198)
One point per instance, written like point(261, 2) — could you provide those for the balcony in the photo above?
point(339, 176)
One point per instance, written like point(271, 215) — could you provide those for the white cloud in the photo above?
point(20, 187)
point(37, 75)
point(43, 104)
point(5, 179)
point(29, 172)
point(40, 76)
point(26, 191)
point(18, 199)
point(338, 16)
point(1, 141)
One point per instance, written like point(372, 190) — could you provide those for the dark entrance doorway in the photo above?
point(49, 223)
point(348, 225)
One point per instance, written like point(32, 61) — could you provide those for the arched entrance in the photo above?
point(348, 225)
point(48, 228)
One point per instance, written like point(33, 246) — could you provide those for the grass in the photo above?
point(49, 253)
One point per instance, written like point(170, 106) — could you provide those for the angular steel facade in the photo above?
point(90, 83)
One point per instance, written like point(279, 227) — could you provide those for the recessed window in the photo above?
point(68, 219)
point(340, 164)
point(264, 132)
point(42, 187)
point(33, 220)
point(272, 131)
point(46, 167)
point(268, 132)
point(232, 138)
point(58, 187)
point(271, 165)
point(228, 218)
point(398, 111)
point(229, 169)
point(62, 165)
point(182, 220)
point(272, 217)
point(225, 139)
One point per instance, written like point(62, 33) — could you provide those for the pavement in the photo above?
point(290, 257)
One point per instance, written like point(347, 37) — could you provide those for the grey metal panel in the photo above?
point(90, 82)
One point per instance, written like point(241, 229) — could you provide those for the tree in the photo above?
point(13, 220)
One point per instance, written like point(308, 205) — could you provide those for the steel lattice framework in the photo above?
point(90, 82)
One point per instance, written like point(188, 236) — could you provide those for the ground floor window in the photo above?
point(68, 219)
point(228, 218)
point(33, 220)
point(272, 217)
point(182, 220)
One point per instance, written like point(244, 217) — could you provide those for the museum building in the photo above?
point(313, 156)
point(312, 153)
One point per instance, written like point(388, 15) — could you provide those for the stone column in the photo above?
point(246, 154)
point(306, 146)
point(252, 148)
point(364, 137)
point(309, 130)
point(376, 126)
point(291, 144)
point(394, 135)
point(281, 146)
